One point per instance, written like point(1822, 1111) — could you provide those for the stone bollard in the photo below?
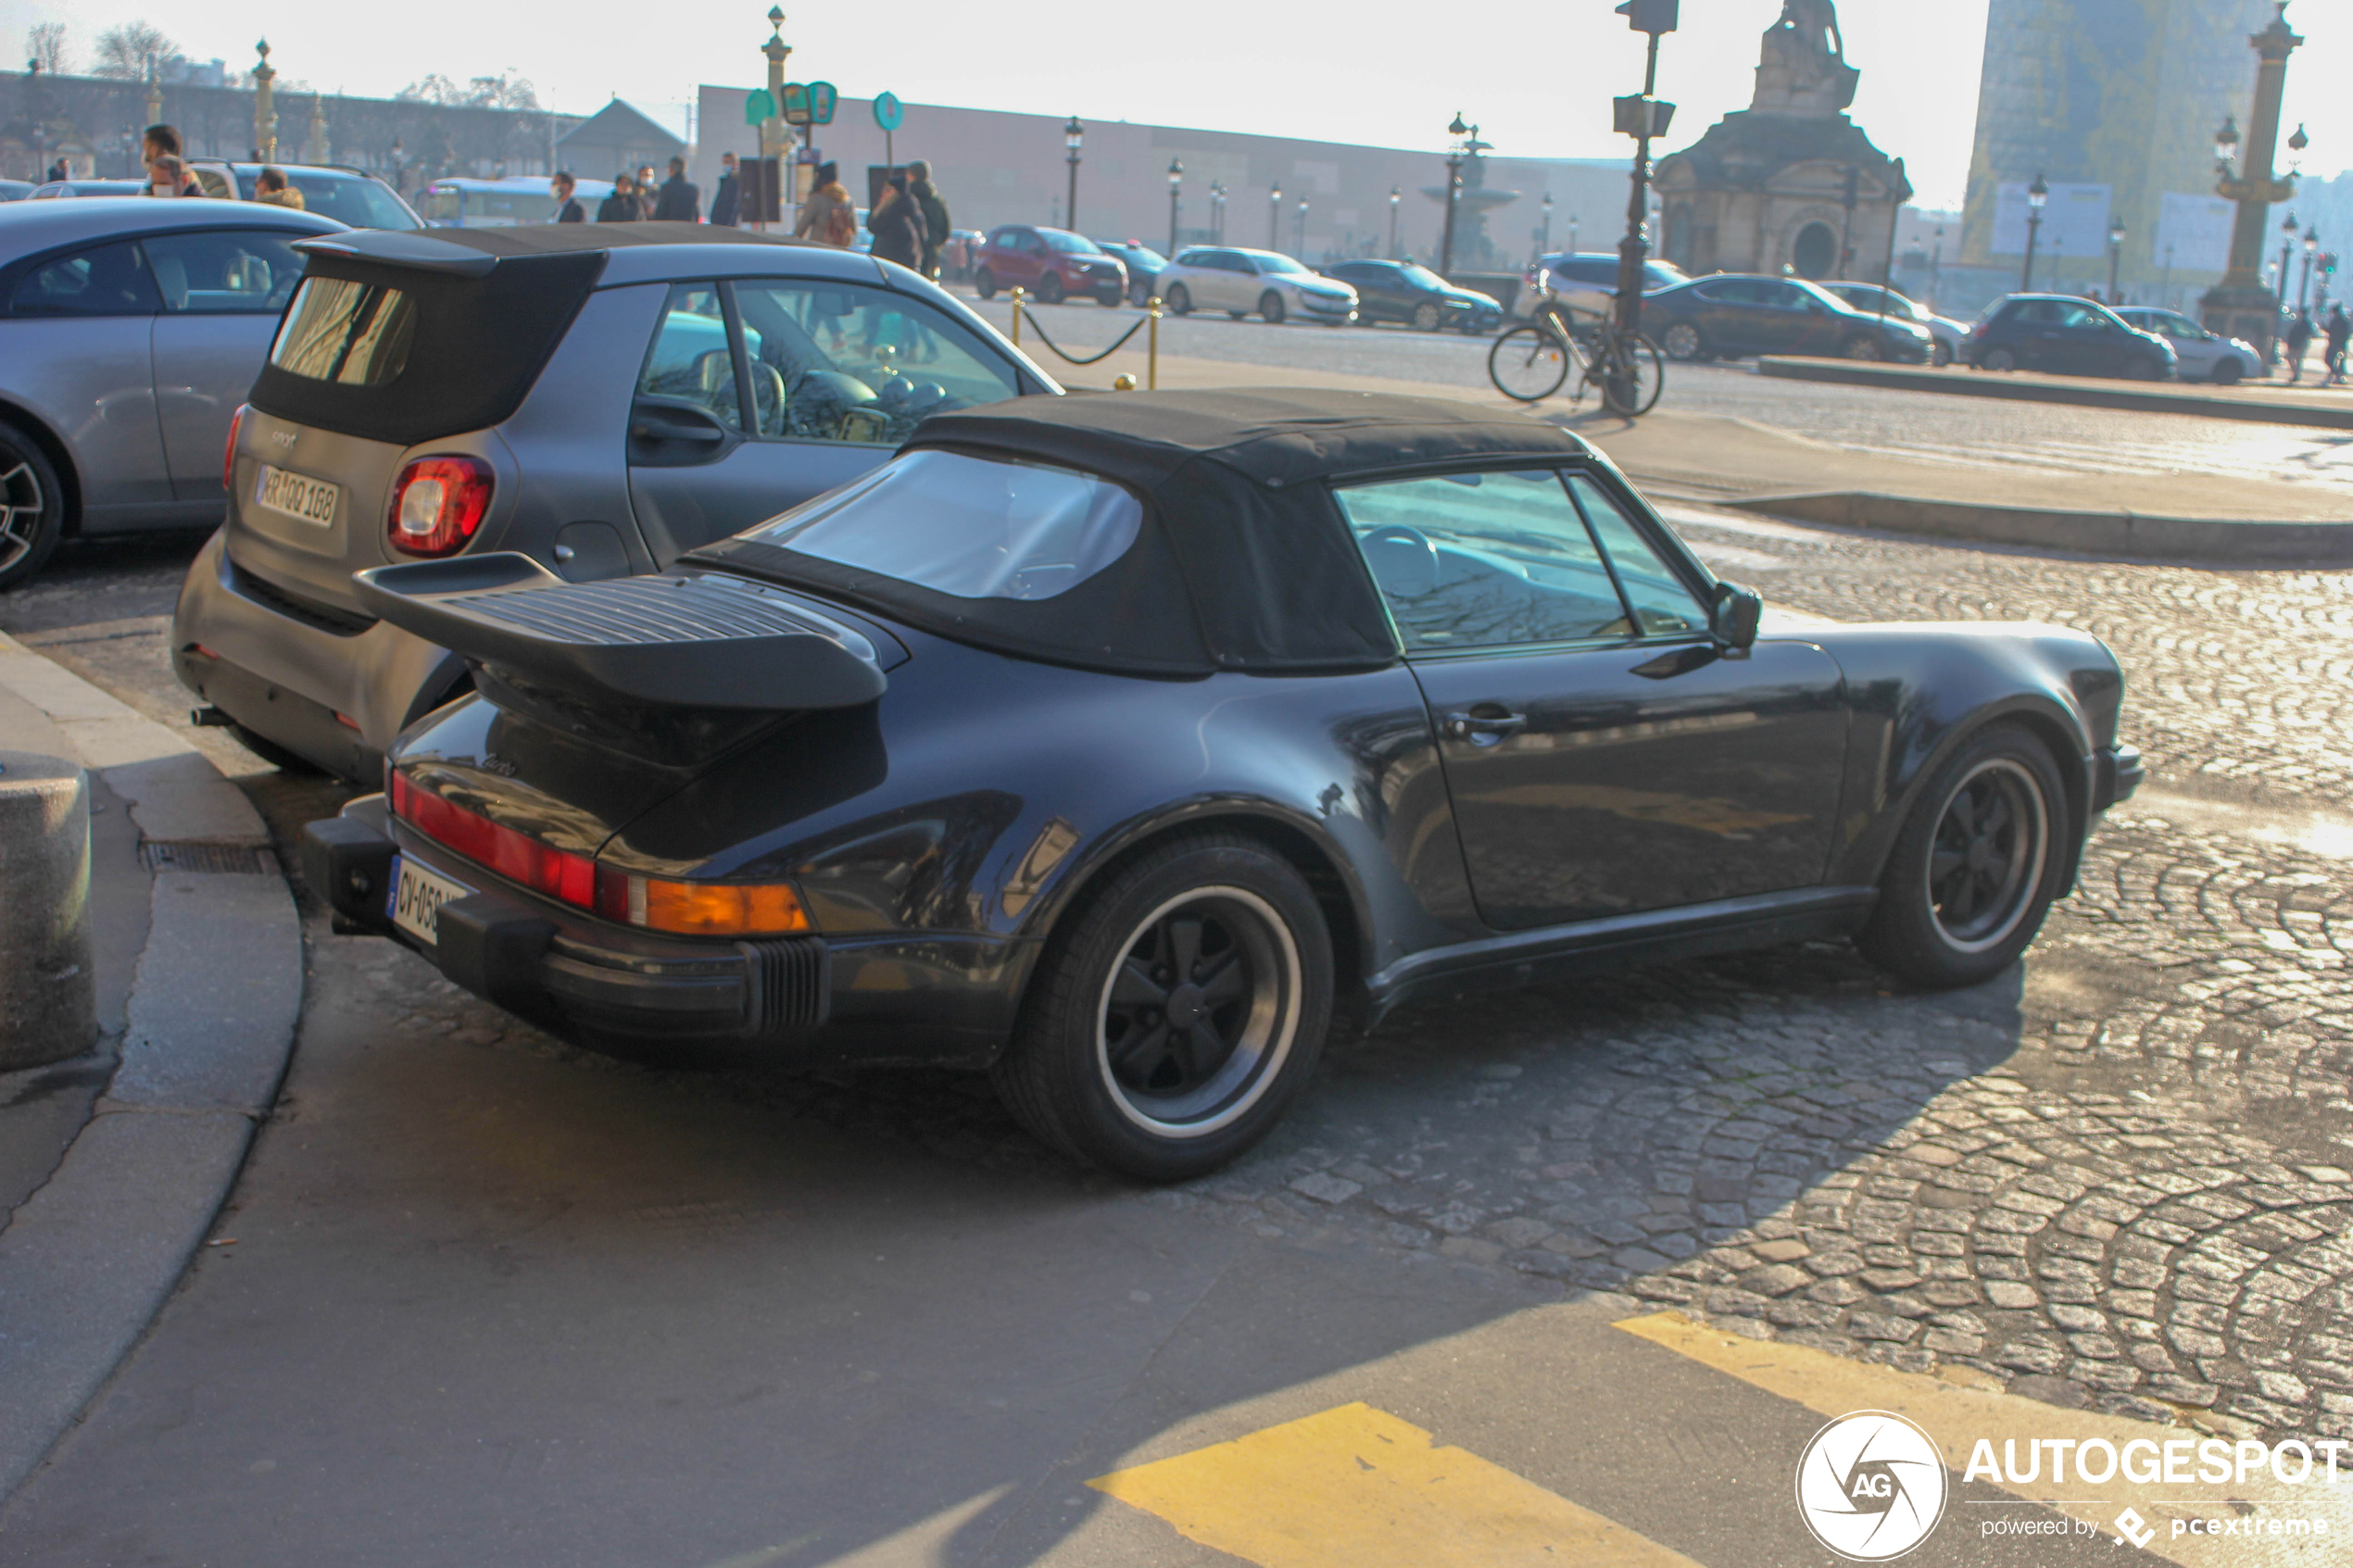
point(48, 986)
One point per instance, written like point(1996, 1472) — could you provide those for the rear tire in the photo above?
point(1425, 316)
point(1213, 929)
point(1270, 308)
point(32, 508)
point(2001, 361)
point(1940, 355)
point(1529, 364)
point(985, 283)
point(1976, 866)
point(2225, 373)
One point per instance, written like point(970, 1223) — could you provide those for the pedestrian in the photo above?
point(2339, 327)
point(644, 184)
point(935, 210)
point(163, 141)
point(679, 201)
point(2298, 337)
point(827, 215)
point(57, 171)
point(898, 225)
point(271, 186)
point(166, 176)
point(567, 210)
point(726, 199)
point(622, 206)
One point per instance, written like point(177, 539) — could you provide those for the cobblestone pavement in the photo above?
point(2118, 1178)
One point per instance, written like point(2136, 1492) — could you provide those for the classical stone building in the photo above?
point(1791, 181)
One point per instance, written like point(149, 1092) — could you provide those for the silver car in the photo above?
point(2202, 355)
point(1240, 282)
point(604, 397)
point(130, 328)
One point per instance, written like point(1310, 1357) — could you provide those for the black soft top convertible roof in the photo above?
point(1244, 562)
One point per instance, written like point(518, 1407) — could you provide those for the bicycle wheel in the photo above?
point(1632, 374)
point(1528, 364)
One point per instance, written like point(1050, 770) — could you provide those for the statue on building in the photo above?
point(1803, 68)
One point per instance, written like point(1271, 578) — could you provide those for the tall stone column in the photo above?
point(265, 112)
point(2240, 306)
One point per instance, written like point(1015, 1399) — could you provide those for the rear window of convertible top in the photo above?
point(356, 334)
point(974, 528)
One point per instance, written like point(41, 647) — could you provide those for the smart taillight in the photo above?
point(437, 504)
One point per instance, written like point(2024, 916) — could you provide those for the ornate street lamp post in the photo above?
point(2115, 254)
point(1218, 211)
point(265, 114)
point(1176, 184)
point(1274, 219)
point(1074, 134)
point(1299, 231)
point(2288, 245)
point(1394, 195)
point(1461, 132)
point(775, 137)
point(2240, 306)
point(2036, 194)
point(2311, 249)
point(1544, 237)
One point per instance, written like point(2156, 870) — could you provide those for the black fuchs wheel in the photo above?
point(1975, 869)
point(32, 508)
point(1176, 1014)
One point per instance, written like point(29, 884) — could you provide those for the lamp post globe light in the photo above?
point(2036, 194)
point(1175, 186)
point(2115, 254)
point(1074, 136)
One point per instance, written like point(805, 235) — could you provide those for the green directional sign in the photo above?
point(822, 97)
point(889, 113)
point(759, 108)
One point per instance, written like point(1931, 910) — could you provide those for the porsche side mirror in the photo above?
point(1736, 615)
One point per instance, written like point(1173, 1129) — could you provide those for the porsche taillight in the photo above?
point(437, 505)
point(228, 452)
point(681, 908)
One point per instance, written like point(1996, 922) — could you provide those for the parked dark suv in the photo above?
point(1052, 264)
point(602, 397)
point(2066, 336)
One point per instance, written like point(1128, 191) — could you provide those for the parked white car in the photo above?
point(2203, 356)
point(1242, 282)
point(1946, 334)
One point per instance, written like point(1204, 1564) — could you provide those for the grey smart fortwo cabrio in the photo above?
point(601, 398)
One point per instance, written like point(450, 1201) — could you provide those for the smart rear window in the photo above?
point(347, 333)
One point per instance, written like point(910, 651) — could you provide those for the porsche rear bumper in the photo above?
point(895, 998)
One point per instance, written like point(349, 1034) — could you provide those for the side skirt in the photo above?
point(1522, 958)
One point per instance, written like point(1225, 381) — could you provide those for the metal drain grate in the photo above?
point(217, 858)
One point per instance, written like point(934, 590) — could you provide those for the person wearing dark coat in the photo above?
point(897, 226)
point(568, 210)
point(678, 201)
point(726, 200)
point(2339, 327)
point(622, 206)
point(935, 210)
point(2299, 338)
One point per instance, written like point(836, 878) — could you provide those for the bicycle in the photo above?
point(1529, 363)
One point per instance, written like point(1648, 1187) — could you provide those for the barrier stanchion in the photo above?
point(1150, 318)
point(1152, 345)
point(1020, 294)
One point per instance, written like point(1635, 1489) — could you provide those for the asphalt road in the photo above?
point(481, 1297)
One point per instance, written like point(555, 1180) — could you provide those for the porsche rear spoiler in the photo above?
point(678, 640)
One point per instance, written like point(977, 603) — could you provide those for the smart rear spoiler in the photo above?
point(677, 641)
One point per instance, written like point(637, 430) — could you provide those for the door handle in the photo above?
point(649, 431)
point(1484, 729)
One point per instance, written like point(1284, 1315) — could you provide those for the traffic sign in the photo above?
point(759, 107)
point(796, 104)
point(889, 113)
point(821, 103)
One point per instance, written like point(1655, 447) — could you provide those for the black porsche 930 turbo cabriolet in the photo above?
point(1128, 747)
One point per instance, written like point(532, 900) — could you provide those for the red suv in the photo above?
point(1050, 263)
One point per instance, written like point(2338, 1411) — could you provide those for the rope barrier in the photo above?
point(1149, 318)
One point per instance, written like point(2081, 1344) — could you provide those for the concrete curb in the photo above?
point(2188, 541)
point(87, 1260)
point(2026, 387)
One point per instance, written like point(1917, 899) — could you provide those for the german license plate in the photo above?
point(417, 898)
point(306, 500)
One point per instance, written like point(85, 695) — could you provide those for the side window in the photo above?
point(690, 359)
point(844, 362)
point(107, 279)
point(249, 272)
point(1663, 607)
point(1483, 560)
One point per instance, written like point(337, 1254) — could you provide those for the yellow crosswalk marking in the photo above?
point(1356, 1487)
point(1957, 1416)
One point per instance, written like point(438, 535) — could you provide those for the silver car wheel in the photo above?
point(21, 506)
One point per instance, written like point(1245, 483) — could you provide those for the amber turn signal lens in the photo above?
point(701, 909)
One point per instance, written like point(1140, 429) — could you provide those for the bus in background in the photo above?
point(463, 202)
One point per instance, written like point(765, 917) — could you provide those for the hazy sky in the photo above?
point(1536, 77)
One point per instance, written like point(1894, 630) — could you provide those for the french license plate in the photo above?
point(306, 500)
point(417, 898)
